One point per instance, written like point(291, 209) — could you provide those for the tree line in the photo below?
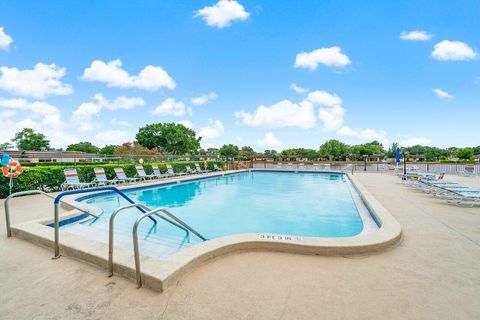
point(176, 139)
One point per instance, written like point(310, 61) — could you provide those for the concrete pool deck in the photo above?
point(432, 273)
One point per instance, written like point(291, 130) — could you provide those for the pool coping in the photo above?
point(160, 274)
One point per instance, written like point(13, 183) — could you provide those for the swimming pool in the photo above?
point(263, 202)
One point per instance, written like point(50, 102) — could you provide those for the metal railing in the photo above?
point(70, 192)
point(135, 238)
point(28, 192)
point(111, 230)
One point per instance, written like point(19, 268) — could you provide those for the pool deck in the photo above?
point(432, 274)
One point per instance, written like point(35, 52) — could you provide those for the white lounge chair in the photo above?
point(172, 173)
point(101, 177)
point(189, 170)
point(200, 170)
point(158, 173)
point(121, 176)
point(72, 181)
point(141, 174)
point(216, 168)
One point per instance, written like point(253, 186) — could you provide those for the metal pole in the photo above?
point(136, 252)
point(7, 217)
point(55, 225)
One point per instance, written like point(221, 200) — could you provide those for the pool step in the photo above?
point(155, 246)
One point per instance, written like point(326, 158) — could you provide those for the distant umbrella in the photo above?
point(397, 155)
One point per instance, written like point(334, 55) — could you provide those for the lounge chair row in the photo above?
point(452, 192)
point(72, 180)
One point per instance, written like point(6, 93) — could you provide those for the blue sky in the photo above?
point(98, 70)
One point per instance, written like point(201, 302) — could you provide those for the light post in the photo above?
point(405, 154)
point(365, 162)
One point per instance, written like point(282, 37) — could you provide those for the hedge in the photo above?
point(49, 178)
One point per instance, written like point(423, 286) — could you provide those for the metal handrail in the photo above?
point(23, 193)
point(135, 238)
point(182, 223)
point(111, 229)
point(70, 192)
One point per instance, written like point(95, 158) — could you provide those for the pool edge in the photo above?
point(160, 274)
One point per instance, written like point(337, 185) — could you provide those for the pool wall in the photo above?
point(160, 274)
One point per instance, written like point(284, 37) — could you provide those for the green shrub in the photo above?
point(49, 178)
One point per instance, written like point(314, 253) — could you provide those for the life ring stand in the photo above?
point(13, 169)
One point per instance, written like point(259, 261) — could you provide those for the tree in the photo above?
point(169, 138)
point(133, 148)
point(247, 152)
point(28, 139)
point(392, 151)
point(465, 153)
point(5, 146)
point(334, 150)
point(108, 149)
point(85, 146)
point(476, 150)
point(229, 150)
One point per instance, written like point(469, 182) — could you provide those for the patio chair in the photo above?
point(189, 170)
point(172, 173)
point(158, 173)
point(200, 170)
point(216, 168)
point(121, 176)
point(141, 173)
point(101, 177)
point(72, 181)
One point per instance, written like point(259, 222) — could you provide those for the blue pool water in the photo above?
point(302, 204)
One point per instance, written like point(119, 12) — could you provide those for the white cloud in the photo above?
point(288, 114)
point(239, 139)
point(84, 114)
point(214, 130)
point(203, 99)
point(331, 57)
point(120, 123)
point(324, 98)
point(453, 51)
point(116, 137)
point(365, 134)
point(5, 39)
point(40, 108)
point(38, 82)
point(223, 13)
point(332, 117)
point(331, 111)
point(298, 89)
point(8, 113)
point(269, 141)
point(282, 114)
point(38, 115)
point(442, 94)
point(187, 124)
point(415, 141)
point(171, 107)
point(417, 35)
point(150, 78)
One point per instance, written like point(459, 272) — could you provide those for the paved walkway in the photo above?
point(433, 274)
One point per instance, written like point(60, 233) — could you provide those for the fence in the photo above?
point(430, 167)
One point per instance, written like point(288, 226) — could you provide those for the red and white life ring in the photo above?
point(12, 170)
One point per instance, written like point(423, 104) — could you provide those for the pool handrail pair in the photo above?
point(147, 212)
point(77, 191)
point(177, 222)
point(28, 192)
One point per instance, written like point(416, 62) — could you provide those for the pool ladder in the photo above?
point(146, 213)
point(176, 222)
